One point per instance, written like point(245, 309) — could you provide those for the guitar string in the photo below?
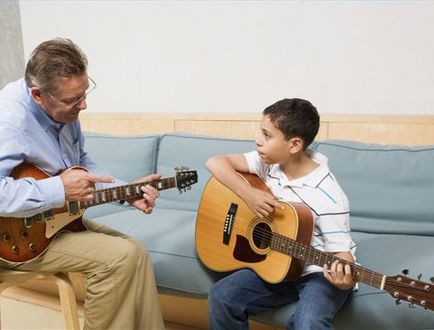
point(312, 252)
point(309, 251)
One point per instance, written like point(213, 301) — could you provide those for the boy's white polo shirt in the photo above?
point(321, 192)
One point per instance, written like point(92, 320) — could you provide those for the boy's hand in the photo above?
point(261, 202)
point(339, 275)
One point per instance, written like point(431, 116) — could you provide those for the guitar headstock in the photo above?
point(185, 178)
point(414, 291)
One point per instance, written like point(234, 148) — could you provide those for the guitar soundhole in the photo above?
point(262, 236)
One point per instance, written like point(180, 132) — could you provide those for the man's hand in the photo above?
point(262, 203)
point(339, 275)
point(150, 194)
point(79, 185)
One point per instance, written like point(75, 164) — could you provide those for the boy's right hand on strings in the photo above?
point(79, 185)
point(262, 203)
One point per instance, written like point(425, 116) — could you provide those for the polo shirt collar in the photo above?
point(313, 179)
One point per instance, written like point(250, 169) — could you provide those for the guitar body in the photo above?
point(23, 239)
point(229, 236)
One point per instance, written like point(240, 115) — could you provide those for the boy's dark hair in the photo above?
point(294, 118)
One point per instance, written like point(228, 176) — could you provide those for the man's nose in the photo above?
point(82, 104)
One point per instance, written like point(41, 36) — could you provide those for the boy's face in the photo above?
point(272, 146)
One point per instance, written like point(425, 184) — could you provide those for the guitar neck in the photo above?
point(319, 258)
point(125, 192)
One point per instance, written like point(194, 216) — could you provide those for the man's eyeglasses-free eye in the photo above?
point(73, 103)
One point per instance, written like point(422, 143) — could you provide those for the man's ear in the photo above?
point(36, 95)
point(295, 145)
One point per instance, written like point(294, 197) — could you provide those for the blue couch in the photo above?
point(391, 192)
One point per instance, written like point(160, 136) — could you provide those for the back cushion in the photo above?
point(390, 188)
point(125, 157)
point(192, 151)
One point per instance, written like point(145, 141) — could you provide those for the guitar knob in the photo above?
point(15, 249)
point(6, 237)
point(32, 247)
point(24, 234)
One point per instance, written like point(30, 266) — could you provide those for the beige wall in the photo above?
point(386, 129)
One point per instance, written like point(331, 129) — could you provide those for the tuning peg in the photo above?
point(419, 276)
point(398, 301)
point(411, 305)
point(405, 272)
point(432, 279)
point(188, 188)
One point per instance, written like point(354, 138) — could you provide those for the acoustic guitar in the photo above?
point(229, 236)
point(23, 239)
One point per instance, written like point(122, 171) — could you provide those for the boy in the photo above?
point(294, 174)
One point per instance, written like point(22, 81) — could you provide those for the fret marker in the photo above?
point(383, 281)
point(159, 185)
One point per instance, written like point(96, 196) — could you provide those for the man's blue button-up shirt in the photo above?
point(28, 134)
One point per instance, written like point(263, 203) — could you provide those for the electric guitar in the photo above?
point(229, 236)
point(23, 239)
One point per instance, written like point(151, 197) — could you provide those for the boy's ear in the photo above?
point(295, 145)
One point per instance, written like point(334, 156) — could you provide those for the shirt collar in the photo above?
point(313, 179)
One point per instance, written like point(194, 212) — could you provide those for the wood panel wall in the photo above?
point(384, 129)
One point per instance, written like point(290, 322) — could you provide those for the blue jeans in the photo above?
point(235, 297)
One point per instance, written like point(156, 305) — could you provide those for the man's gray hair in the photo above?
point(53, 59)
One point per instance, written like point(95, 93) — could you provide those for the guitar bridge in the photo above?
point(229, 222)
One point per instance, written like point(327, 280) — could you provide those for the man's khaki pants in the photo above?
point(120, 292)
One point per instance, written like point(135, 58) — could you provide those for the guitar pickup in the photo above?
point(48, 215)
point(74, 208)
point(229, 222)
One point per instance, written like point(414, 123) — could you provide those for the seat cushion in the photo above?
point(371, 308)
point(169, 236)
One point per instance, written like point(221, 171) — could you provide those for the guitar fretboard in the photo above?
point(319, 258)
point(125, 192)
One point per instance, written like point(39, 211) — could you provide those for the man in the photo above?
point(39, 126)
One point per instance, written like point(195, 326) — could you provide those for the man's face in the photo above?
point(65, 103)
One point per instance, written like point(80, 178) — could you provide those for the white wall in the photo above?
point(355, 57)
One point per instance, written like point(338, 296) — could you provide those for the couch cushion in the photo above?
point(371, 308)
point(390, 188)
point(192, 151)
point(125, 157)
point(169, 236)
